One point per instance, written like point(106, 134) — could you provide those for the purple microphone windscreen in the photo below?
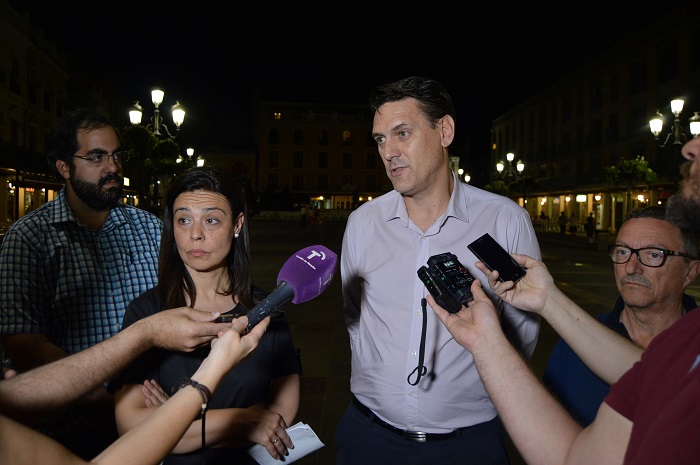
point(308, 272)
point(304, 276)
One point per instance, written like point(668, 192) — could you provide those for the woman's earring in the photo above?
point(236, 235)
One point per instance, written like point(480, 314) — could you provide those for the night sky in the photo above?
point(212, 56)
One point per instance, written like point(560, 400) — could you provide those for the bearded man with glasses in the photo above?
point(654, 262)
point(69, 269)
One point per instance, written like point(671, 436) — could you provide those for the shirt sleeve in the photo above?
point(284, 351)
point(143, 367)
point(521, 327)
point(23, 297)
point(351, 282)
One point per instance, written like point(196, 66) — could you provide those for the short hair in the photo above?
point(62, 144)
point(433, 99)
point(689, 240)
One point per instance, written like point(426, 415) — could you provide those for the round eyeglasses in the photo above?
point(101, 159)
point(648, 256)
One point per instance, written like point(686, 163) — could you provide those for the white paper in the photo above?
point(304, 439)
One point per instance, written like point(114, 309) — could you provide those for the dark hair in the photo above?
point(689, 240)
point(433, 99)
point(173, 278)
point(63, 141)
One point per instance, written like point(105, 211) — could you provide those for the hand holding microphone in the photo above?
point(303, 277)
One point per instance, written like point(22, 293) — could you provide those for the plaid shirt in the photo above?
point(70, 282)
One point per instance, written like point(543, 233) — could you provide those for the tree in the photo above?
point(151, 158)
point(630, 173)
point(523, 185)
point(498, 187)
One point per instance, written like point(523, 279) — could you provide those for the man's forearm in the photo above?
point(50, 386)
point(539, 426)
point(605, 352)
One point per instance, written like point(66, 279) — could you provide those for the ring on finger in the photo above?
point(275, 441)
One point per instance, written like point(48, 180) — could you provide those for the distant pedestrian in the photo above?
point(573, 224)
point(304, 216)
point(590, 227)
point(563, 221)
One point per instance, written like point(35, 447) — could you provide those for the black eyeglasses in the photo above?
point(101, 159)
point(648, 256)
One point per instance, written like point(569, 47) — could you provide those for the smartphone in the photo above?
point(228, 317)
point(495, 257)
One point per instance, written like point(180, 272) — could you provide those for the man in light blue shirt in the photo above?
point(401, 413)
point(69, 269)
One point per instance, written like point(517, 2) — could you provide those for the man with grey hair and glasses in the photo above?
point(69, 269)
point(654, 262)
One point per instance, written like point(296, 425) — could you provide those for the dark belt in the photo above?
point(418, 436)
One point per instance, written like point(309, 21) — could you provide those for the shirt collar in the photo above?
point(60, 212)
point(457, 206)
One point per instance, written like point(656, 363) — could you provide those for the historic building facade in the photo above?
point(568, 133)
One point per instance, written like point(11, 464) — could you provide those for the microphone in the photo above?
point(303, 277)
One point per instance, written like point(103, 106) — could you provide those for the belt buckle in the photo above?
point(418, 436)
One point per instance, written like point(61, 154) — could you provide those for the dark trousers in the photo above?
point(359, 441)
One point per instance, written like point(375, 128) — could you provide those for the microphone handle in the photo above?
point(282, 294)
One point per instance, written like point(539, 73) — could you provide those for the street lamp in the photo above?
point(157, 125)
point(160, 130)
point(509, 171)
point(467, 178)
point(199, 161)
point(679, 137)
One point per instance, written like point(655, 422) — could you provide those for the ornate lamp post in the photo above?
point(679, 137)
point(157, 125)
point(467, 178)
point(199, 161)
point(507, 171)
point(164, 135)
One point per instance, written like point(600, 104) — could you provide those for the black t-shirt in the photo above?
point(247, 384)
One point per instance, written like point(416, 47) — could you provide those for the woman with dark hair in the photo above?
point(205, 264)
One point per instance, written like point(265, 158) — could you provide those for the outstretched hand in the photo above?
point(183, 329)
point(229, 349)
point(474, 324)
point(531, 292)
